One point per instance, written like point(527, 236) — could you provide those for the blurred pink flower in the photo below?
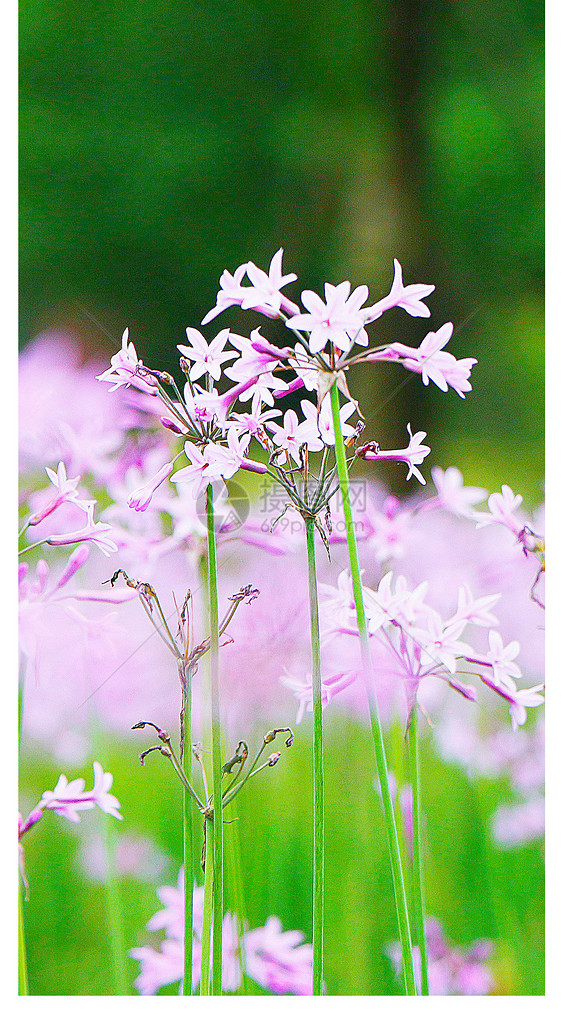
point(520, 823)
point(451, 971)
point(273, 959)
point(302, 689)
point(141, 497)
point(96, 532)
point(278, 960)
point(501, 511)
point(452, 495)
point(68, 798)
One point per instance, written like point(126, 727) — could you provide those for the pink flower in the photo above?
point(68, 798)
point(519, 700)
point(237, 447)
point(412, 455)
point(501, 658)
point(476, 610)
point(440, 641)
point(452, 495)
point(272, 958)
point(92, 532)
point(159, 968)
point(389, 529)
point(202, 470)
point(253, 422)
point(302, 689)
point(433, 364)
point(125, 367)
point(451, 971)
point(519, 824)
point(292, 435)
point(501, 511)
point(265, 295)
point(207, 358)
point(324, 421)
point(66, 492)
point(100, 792)
point(338, 320)
point(141, 497)
point(279, 961)
point(231, 293)
point(409, 297)
point(400, 606)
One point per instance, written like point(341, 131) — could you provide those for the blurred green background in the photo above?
point(163, 141)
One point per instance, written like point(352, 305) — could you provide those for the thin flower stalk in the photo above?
point(397, 735)
point(318, 773)
point(207, 930)
point(394, 848)
point(217, 838)
point(23, 981)
point(233, 859)
point(188, 859)
point(418, 878)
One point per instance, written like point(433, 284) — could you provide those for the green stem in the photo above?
point(205, 988)
point(188, 871)
point(398, 765)
point(216, 741)
point(23, 982)
point(34, 545)
point(418, 886)
point(318, 768)
point(236, 904)
point(382, 770)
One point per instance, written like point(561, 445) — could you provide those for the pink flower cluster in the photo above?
point(278, 961)
point(421, 643)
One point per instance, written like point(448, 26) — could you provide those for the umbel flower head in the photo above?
point(219, 435)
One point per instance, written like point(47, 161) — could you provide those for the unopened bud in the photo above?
point(171, 425)
point(273, 758)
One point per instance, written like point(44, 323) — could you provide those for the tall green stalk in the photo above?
point(382, 769)
point(318, 769)
point(188, 870)
point(205, 987)
point(236, 904)
point(418, 880)
point(218, 864)
point(23, 981)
